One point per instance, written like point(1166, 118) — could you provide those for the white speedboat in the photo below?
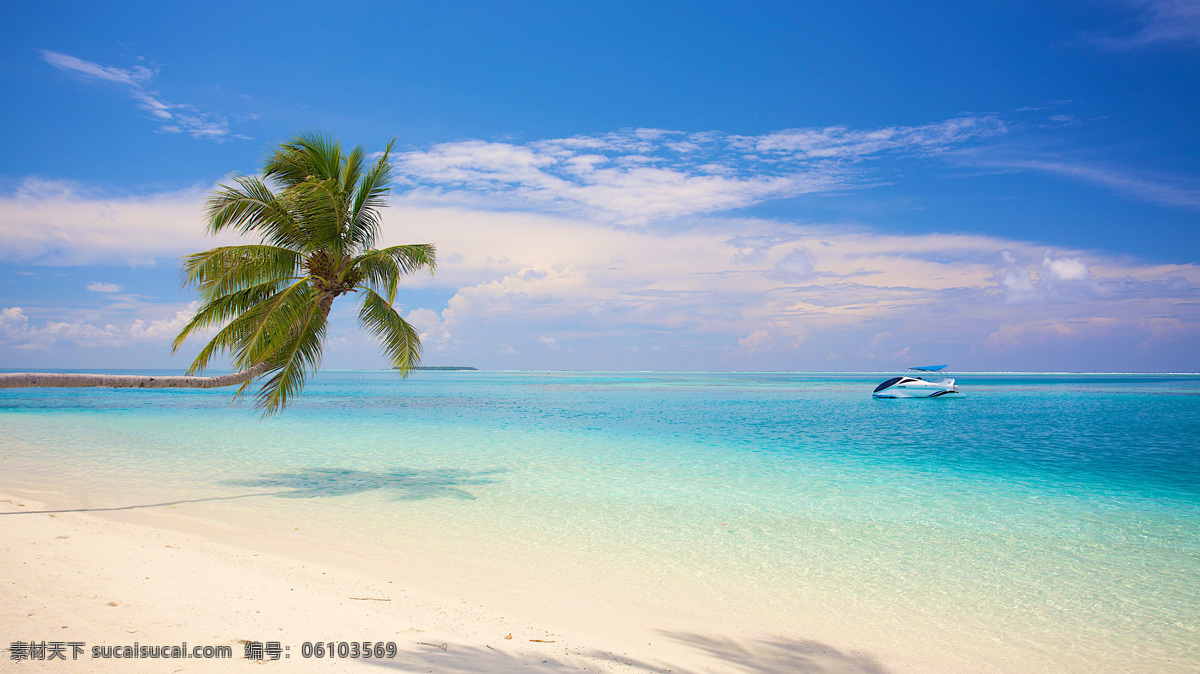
point(907, 386)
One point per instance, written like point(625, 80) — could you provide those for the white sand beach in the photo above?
point(150, 576)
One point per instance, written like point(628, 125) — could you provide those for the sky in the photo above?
point(786, 186)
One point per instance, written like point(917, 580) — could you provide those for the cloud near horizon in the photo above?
point(524, 286)
point(63, 223)
point(17, 332)
point(612, 251)
point(745, 290)
point(535, 290)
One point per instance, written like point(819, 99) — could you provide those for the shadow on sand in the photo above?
point(710, 653)
point(777, 655)
point(407, 485)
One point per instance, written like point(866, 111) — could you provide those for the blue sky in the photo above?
point(777, 186)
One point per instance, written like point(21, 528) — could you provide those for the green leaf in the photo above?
point(400, 340)
point(228, 269)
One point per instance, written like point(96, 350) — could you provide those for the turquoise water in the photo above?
point(1044, 522)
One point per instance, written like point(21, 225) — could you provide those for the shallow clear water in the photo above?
point(1043, 522)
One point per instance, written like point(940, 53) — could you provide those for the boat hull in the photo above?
point(920, 394)
point(915, 387)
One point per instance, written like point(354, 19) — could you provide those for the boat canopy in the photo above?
point(893, 380)
point(928, 368)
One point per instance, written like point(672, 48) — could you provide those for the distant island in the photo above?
point(444, 367)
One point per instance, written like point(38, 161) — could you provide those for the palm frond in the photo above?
point(311, 154)
point(269, 323)
point(322, 207)
point(287, 166)
point(251, 206)
point(369, 197)
point(250, 337)
point(400, 340)
point(293, 361)
point(322, 152)
point(226, 308)
point(225, 341)
point(407, 259)
point(380, 273)
point(227, 269)
point(352, 168)
point(382, 269)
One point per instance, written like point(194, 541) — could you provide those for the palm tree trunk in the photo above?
point(48, 379)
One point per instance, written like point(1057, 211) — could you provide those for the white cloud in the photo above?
point(1018, 283)
point(62, 223)
point(163, 329)
point(797, 265)
point(761, 292)
point(102, 287)
point(1162, 189)
point(1064, 280)
point(844, 142)
point(425, 321)
point(639, 176)
point(17, 332)
point(717, 282)
point(172, 117)
point(14, 324)
point(133, 77)
point(755, 341)
point(432, 330)
point(735, 293)
point(1039, 331)
point(1065, 269)
point(1155, 22)
point(709, 291)
point(1048, 105)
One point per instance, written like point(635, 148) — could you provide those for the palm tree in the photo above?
point(316, 212)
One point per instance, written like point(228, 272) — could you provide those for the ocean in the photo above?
point(1045, 522)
